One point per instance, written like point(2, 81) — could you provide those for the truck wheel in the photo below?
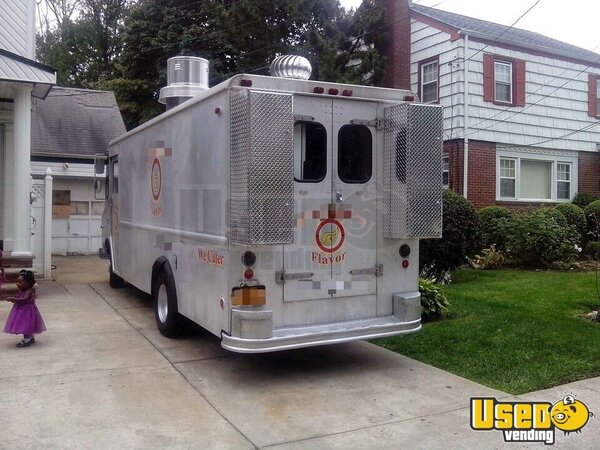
point(165, 304)
point(114, 280)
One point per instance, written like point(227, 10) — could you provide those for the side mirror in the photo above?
point(99, 164)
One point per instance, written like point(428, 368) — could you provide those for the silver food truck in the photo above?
point(275, 211)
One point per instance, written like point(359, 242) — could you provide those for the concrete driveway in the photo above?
point(103, 377)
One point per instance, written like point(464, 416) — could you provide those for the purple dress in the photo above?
point(24, 318)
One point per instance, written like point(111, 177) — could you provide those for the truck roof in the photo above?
point(286, 85)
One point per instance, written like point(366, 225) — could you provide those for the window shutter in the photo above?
point(519, 69)
point(592, 95)
point(488, 77)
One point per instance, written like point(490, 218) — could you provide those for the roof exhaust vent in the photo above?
point(291, 66)
point(187, 76)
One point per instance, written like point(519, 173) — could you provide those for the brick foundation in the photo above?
point(482, 174)
point(589, 173)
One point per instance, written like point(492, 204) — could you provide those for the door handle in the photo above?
point(338, 196)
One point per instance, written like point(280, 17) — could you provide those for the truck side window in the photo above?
point(115, 176)
point(355, 154)
point(310, 152)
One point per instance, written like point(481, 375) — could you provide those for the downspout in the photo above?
point(466, 118)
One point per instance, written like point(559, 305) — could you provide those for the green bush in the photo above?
point(582, 199)
point(495, 221)
point(541, 237)
point(460, 238)
point(490, 258)
point(574, 216)
point(592, 216)
point(593, 250)
point(434, 304)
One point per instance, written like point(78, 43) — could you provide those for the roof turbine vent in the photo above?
point(291, 66)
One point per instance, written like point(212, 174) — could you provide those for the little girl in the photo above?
point(24, 317)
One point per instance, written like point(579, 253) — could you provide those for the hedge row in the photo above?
point(496, 236)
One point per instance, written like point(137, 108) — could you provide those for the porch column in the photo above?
point(21, 214)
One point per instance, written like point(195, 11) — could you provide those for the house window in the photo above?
point(508, 178)
point(535, 177)
point(445, 170)
point(503, 81)
point(563, 181)
point(594, 95)
point(429, 81)
point(597, 96)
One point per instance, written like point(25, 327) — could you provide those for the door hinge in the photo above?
point(303, 118)
point(377, 271)
point(377, 123)
point(282, 275)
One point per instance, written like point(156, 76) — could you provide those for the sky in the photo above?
point(572, 21)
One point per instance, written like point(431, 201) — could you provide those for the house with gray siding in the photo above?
point(68, 128)
point(521, 114)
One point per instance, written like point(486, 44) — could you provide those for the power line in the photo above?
point(537, 90)
point(502, 34)
point(529, 105)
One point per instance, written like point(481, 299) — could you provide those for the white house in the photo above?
point(21, 80)
point(521, 114)
point(68, 129)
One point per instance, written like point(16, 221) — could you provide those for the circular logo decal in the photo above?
point(156, 180)
point(330, 239)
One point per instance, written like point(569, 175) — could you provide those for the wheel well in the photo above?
point(158, 266)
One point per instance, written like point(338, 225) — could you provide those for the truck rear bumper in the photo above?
point(286, 338)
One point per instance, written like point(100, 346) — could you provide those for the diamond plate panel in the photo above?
point(240, 154)
point(413, 171)
point(262, 168)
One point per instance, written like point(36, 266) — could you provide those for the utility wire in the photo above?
point(538, 90)
point(504, 32)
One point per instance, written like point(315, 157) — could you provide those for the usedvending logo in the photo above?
point(529, 421)
point(332, 238)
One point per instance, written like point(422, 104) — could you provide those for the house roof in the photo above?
point(75, 122)
point(503, 34)
point(18, 69)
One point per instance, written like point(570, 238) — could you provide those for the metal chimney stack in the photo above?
point(187, 76)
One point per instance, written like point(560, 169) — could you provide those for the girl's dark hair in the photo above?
point(28, 276)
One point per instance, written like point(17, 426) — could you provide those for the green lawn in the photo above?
point(511, 330)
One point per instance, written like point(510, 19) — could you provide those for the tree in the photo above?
point(80, 38)
point(243, 36)
point(123, 45)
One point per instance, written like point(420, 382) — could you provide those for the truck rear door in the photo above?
point(305, 277)
point(355, 196)
point(334, 249)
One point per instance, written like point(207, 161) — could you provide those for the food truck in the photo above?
point(276, 212)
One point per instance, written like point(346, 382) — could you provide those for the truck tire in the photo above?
point(114, 280)
point(164, 296)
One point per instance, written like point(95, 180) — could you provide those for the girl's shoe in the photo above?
point(26, 342)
